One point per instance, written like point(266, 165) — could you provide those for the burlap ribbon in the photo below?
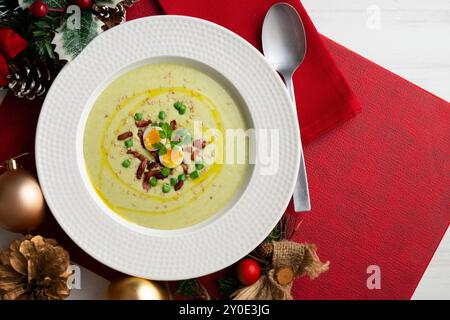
point(301, 258)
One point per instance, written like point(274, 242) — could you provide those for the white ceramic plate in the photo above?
point(159, 254)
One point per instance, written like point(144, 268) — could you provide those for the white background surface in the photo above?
point(410, 38)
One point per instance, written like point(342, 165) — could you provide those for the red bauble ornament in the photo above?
point(84, 4)
point(38, 9)
point(248, 271)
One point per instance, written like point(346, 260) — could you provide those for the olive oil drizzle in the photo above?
point(208, 176)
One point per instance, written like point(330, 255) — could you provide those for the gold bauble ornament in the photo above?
point(132, 288)
point(21, 200)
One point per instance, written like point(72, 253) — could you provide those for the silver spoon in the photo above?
point(284, 45)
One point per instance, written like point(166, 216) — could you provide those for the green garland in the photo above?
point(192, 288)
point(38, 32)
point(55, 34)
point(54, 39)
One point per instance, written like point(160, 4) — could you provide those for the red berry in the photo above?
point(38, 9)
point(84, 4)
point(248, 271)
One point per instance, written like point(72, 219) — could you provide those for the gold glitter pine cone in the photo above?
point(34, 268)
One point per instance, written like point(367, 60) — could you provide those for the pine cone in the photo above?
point(28, 79)
point(109, 16)
point(112, 16)
point(34, 268)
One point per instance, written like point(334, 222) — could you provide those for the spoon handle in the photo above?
point(301, 191)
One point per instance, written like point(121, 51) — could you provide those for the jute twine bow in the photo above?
point(290, 260)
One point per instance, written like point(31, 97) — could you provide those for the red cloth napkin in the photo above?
point(323, 96)
point(379, 183)
point(380, 187)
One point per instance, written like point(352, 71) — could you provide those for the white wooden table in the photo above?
point(410, 38)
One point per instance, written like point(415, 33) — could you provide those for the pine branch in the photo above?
point(43, 31)
point(227, 286)
point(285, 229)
point(6, 6)
point(192, 288)
point(14, 17)
point(274, 235)
point(38, 32)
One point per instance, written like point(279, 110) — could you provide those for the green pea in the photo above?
point(182, 109)
point(199, 166)
point(166, 188)
point(182, 177)
point(173, 181)
point(126, 163)
point(180, 106)
point(162, 115)
point(177, 105)
point(129, 143)
point(153, 181)
point(194, 174)
point(165, 171)
point(138, 116)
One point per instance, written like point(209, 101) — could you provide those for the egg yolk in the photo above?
point(151, 138)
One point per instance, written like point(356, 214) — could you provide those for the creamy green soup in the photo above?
point(153, 93)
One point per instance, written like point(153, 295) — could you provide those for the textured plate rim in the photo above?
point(181, 256)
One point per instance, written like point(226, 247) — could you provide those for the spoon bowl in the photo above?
point(284, 38)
